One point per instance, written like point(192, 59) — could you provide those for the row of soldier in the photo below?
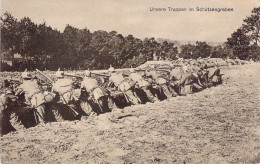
point(32, 103)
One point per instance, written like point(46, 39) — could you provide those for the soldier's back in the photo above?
point(30, 87)
point(63, 85)
point(116, 78)
point(135, 76)
point(89, 83)
point(175, 74)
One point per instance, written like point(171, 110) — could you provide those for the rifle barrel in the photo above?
point(74, 76)
point(44, 75)
point(100, 74)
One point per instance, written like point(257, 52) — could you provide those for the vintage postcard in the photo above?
point(130, 81)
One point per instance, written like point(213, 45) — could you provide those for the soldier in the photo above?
point(9, 113)
point(204, 74)
point(33, 96)
point(123, 85)
point(98, 95)
point(186, 82)
point(215, 76)
point(161, 82)
point(175, 76)
point(143, 85)
point(65, 108)
point(197, 80)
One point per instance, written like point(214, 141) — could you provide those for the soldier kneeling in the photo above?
point(143, 85)
point(216, 76)
point(123, 85)
point(10, 113)
point(99, 99)
point(66, 107)
point(34, 97)
point(161, 84)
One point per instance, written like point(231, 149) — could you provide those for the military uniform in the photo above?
point(10, 114)
point(186, 83)
point(65, 108)
point(175, 76)
point(197, 80)
point(124, 86)
point(161, 82)
point(101, 98)
point(64, 87)
point(34, 97)
point(215, 77)
point(204, 74)
point(143, 85)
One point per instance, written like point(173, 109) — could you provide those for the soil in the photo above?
point(217, 125)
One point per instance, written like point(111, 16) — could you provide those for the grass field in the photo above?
point(217, 125)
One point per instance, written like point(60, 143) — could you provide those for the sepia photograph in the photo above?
point(130, 81)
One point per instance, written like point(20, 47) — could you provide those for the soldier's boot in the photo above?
point(110, 103)
point(86, 108)
point(130, 96)
point(16, 122)
point(216, 80)
point(166, 91)
point(101, 105)
point(40, 113)
point(56, 113)
point(58, 117)
point(137, 97)
point(149, 95)
point(174, 94)
point(187, 89)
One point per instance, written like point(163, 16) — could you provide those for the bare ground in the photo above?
point(218, 125)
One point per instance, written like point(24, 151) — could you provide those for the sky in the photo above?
point(134, 16)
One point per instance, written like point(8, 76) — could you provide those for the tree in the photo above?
point(202, 50)
point(10, 35)
point(187, 51)
point(251, 26)
point(239, 42)
point(254, 52)
point(28, 43)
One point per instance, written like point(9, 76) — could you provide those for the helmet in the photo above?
point(87, 73)
point(26, 75)
point(185, 68)
point(111, 69)
point(132, 70)
point(59, 74)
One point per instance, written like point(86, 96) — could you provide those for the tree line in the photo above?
point(43, 47)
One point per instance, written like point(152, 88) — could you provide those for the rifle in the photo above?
point(45, 76)
point(140, 69)
point(162, 70)
point(52, 82)
point(99, 74)
point(77, 76)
